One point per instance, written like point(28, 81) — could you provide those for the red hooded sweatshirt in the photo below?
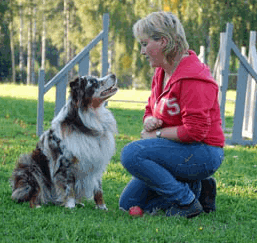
point(189, 102)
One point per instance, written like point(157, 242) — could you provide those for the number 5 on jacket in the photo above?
point(170, 105)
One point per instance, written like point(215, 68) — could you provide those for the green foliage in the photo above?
point(5, 58)
point(203, 21)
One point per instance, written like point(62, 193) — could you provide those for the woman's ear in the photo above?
point(164, 41)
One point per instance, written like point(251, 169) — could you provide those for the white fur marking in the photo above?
point(102, 207)
point(70, 203)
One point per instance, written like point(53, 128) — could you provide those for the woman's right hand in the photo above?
point(152, 123)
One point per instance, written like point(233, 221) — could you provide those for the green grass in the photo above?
point(234, 221)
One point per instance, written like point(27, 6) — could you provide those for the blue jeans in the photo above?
point(165, 172)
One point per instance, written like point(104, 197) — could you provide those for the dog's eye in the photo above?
point(94, 83)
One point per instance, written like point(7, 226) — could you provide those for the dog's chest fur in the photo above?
point(93, 151)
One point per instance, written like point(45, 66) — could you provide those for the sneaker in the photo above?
point(188, 211)
point(154, 211)
point(208, 195)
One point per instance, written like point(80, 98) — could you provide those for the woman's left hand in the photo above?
point(145, 134)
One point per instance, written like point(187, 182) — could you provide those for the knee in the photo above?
point(123, 203)
point(127, 155)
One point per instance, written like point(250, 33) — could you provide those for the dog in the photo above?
point(69, 160)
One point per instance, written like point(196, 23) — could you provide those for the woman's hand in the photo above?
point(145, 134)
point(152, 123)
point(170, 133)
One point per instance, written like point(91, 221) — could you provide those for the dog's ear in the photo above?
point(40, 145)
point(74, 83)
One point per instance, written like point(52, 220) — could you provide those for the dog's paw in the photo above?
point(102, 207)
point(38, 206)
point(71, 203)
point(81, 204)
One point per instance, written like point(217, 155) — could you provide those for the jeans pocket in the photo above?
point(190, 172)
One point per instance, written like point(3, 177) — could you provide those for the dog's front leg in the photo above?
point(34, 201)
point(99, 201)
point(71, 201)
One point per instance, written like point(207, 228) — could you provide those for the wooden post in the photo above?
point(240, 104)
point(248, 124)
point(251, 115)
point(84, 66)
point(220, 63)
point(201, 55)
point(40, 104)
point(60, 98)
point(225, 71)
point(105, 65)
point(105, 44)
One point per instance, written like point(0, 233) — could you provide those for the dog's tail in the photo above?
point(29, 183)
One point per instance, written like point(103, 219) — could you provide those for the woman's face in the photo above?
point(153, 50)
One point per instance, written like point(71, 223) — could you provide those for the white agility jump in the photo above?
point(245, 117)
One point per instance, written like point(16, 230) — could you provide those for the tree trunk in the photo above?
point(72, 24)
point(66, 32)
point(67, 27)
point(29, 58)
point(21, 55)
point(43, 55)
point(34, 43)
point(12, 44)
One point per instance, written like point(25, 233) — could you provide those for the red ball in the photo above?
point(136, 211)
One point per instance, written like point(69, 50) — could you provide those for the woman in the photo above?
point(182, 140)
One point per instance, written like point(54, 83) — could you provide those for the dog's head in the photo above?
point(89, 90)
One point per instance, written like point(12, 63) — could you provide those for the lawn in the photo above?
point(234, 221)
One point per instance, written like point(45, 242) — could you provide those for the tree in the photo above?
point(61, 28)
point(43, 52)
point(21, 47)
point(5, 59)
point(66, 14)
point(11, 29)
point(29, 57)
point(34, 33)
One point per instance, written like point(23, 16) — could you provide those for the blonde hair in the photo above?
point(163, 24)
